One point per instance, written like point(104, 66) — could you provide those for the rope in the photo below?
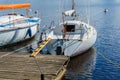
point(68, 61)
point(17, 50)
point(37, 63)
point(12, 52)
point(110, 61)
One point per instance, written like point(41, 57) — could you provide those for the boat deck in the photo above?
point(58, 36)
point(72, 36)
point(16, 66)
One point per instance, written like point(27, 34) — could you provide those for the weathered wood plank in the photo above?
point(22, 67)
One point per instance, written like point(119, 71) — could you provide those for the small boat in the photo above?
point(72, 36)
point(16, 27)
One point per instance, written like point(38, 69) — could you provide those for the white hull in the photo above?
point(15, 28)
point(72, 47)
point(80, 46)
point(16, 35)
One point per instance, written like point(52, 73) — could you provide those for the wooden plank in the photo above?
point(22, 67)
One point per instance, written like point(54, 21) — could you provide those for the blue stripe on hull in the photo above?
point(6, 25)
point(31, 20)
point(29, 32)
point(12, 24)
point(14, 37)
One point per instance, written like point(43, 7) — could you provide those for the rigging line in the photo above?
point(109, 60)
point(56, 34)
point(60, 9)
point(48, 29)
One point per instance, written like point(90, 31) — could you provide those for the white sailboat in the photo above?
point(15, 27)
point(72, 36)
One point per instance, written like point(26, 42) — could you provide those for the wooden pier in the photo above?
point(16, 66)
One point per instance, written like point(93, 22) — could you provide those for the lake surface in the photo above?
point(102, 62)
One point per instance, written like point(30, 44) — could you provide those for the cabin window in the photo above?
point(70, 28)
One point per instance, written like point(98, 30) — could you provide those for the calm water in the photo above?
point(99, 63)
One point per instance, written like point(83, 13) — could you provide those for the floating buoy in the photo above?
point(58, 50)
point(106, 10)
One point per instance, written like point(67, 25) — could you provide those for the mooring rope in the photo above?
point(109, 60)
point(17, 49)
point(37, 63)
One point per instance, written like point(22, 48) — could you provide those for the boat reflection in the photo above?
point(81, 67)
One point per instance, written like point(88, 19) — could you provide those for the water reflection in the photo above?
point(81, 67)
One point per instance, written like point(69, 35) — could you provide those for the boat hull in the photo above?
point(81, 46)
point(72, 47)
point(17, 34)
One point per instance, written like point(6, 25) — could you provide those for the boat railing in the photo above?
point(88, 33)
point(81, 32)
point(15, 20)
point(51, 26)
point(47, 28)
point(70, 33)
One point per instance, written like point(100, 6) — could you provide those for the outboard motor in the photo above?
point(59, 50)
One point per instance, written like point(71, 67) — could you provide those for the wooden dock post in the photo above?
point(42, 76)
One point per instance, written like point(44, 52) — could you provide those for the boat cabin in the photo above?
point(69, 28)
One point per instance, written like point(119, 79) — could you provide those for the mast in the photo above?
point(70, 13)
point(27, 15)
point(73, 5)
point(73, 8)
